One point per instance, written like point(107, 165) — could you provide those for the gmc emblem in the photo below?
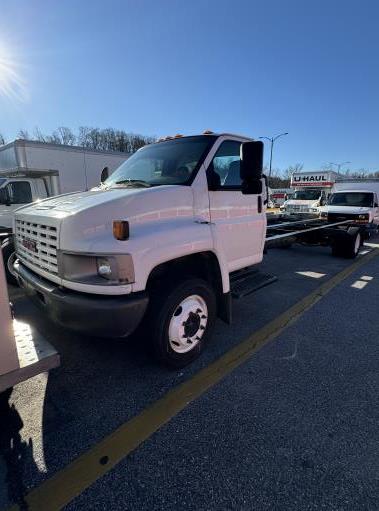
point(29, 244)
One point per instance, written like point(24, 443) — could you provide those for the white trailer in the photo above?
point(31, 171)
point(311, 190)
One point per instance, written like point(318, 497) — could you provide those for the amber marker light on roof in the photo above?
point(207, 132)
point(121, 230)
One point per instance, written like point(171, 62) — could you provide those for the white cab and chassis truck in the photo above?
point(163, 244)
point(31, 171)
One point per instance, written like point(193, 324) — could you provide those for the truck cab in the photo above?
point(16, 192)
point(311, 190)
point(361, 206)
point(305, 201)
point(153, 247)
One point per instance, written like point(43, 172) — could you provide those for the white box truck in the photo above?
point(356, 200)
point(31, 171)
point(311, 190)
point(172, 234)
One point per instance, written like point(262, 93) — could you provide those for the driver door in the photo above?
point(20, 193)
point(238, 221)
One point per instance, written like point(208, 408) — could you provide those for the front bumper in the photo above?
point(96, 315)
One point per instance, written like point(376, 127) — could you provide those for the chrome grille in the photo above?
point(299, 208)
point(36, 244)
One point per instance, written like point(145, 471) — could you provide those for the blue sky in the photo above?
point(160, 67)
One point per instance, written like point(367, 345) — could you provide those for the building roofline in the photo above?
point(19, 142)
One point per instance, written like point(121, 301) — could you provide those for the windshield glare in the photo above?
point(359, 199)
point(165, 163)
point(307, 195)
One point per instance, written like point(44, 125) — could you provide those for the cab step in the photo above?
point(245, 282)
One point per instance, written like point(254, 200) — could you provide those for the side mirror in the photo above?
point(376, 205)
point(252, 187)
point(104, 174)
point(251, 167)
point(4, 197)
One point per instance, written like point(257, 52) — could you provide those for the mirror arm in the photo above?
point(266, 184)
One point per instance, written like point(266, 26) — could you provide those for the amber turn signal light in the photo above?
point(121, 230)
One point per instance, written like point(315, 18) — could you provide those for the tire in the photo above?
point(347, 246)
point(7, 248)
point(181, 321)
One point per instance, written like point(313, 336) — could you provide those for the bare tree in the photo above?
point(66, 135)
point(287, 173)
point(83, 138)
point(23, 134)
point(54, 138)
point(38, 135)
point(107, 139)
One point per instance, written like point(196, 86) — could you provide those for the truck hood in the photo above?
point(84, 219)
point(69, 204)
point(345, 209)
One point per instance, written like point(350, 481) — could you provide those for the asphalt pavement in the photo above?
point(294, 427)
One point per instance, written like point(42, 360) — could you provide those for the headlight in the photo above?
point(95, 269)
point(363, 217)
point(104, 267)
point(324, 214)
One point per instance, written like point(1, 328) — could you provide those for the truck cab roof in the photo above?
point(358, 190)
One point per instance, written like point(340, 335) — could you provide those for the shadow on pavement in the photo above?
point(17, 453)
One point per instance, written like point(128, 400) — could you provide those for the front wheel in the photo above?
point(7, 248)
point(182, 321)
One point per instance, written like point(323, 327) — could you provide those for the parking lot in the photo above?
point(280, 412)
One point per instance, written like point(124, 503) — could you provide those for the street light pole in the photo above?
point(272, 140)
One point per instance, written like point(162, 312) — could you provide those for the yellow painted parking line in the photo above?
point(76, 477)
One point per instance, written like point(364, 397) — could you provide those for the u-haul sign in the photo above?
point(316, 179)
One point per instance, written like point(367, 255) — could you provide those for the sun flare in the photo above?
point(12, 85)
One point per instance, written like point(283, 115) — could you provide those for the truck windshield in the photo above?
point(173, 162)
point(358, 199)
point(306, 195)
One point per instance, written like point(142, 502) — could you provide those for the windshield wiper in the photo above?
point(133, 182)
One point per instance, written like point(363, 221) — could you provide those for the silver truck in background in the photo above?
point(31, 171)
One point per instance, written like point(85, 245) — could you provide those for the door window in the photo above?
point(19, 192)
point(224, 171)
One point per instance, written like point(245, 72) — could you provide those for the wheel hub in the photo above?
point(188, 324)
point(192, 325)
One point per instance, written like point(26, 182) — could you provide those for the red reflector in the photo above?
point(121, 230)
